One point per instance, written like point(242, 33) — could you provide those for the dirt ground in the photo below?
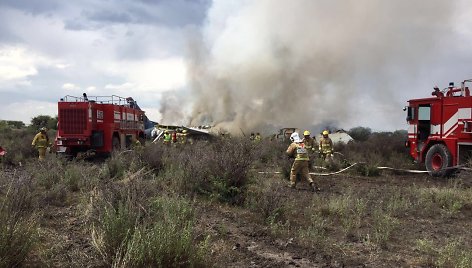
point(241, 238)
point(244, 243)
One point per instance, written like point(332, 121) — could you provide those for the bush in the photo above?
point(17, 143)
point(131, 228)
point(360, 133)
point(380, 149)
point(169, 241)
point(268, 202)
point(17, 225)
point(219, 170)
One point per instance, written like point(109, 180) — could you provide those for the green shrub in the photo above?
point(219, 169)
point(168, 241)
point(18, 228)
point(382, 227)
point(268, 202)
point(17, 143)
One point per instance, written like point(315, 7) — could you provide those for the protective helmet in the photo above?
point(184, 131)
point(43, 129)
point(306, 133)
point(294, 137)
point(325, 132)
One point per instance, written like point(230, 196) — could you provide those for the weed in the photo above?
point(452, 254)
point(219, 170)
point(448, 200)
point(382, 227)
point(114, 229)
point(17, 225)
point(268, 203)
point(368, 170)
point(398, 203)
point(169, 240)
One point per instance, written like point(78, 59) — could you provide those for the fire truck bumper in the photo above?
point(61, 149)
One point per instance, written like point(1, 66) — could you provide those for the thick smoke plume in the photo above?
point(303, 63)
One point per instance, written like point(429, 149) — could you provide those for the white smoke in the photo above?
point(305, 62)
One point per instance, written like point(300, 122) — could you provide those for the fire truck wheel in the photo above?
point(116, 144)
point(438, 159)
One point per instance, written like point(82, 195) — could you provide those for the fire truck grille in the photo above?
point(73, 121)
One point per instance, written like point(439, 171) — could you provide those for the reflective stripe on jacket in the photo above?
point(302, 152)
point(326, 145)
point(299, 150)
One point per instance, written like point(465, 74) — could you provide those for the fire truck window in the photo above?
point(410, 114)
point(424, 113)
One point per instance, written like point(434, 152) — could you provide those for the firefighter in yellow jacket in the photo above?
point(41, 143)
point(326, 146)
point(300, 165)
point(310, 145)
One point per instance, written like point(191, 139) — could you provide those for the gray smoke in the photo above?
point(301, 63)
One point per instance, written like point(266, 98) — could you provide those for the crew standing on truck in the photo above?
point(41, 143)
point(300, 165)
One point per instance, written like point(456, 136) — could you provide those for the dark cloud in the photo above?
point(34, 7)
point(168, 13)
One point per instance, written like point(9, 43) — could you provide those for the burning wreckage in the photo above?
point(177, 132)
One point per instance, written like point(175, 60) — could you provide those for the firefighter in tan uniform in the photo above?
point(41, 143)
point(183, 137)
point(300, 165)
point(326, 147)
point(310, 145)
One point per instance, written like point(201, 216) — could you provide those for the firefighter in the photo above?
point(310, 145)
point(300, 165)
point(326, 147)
point(183, 137)
point(174, 137)
point(252, 137)
point(167, 138)
point(136, 144)
point(310, 142)
point(41, 143)
point(258, 137)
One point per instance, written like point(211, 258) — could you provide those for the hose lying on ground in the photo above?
point(380, 168)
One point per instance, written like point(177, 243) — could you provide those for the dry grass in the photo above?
point(142, 208)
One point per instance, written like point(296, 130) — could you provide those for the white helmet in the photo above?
point(294, 137)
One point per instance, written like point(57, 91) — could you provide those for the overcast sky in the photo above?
point(140, 48)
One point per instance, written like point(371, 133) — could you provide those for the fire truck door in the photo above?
point(424, 124)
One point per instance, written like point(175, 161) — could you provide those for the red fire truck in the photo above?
point(440, 129)
point(98, 124)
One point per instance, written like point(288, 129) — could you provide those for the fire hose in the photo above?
point(460, 167)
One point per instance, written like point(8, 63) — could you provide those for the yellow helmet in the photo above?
point(306, 133)
point(325, 132)
point(184, 131)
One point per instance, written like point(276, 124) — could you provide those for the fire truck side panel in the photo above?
point(87, 125)
point(445, 119)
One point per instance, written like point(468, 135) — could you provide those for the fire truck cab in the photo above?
point(440, 129)
point(98, 124)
